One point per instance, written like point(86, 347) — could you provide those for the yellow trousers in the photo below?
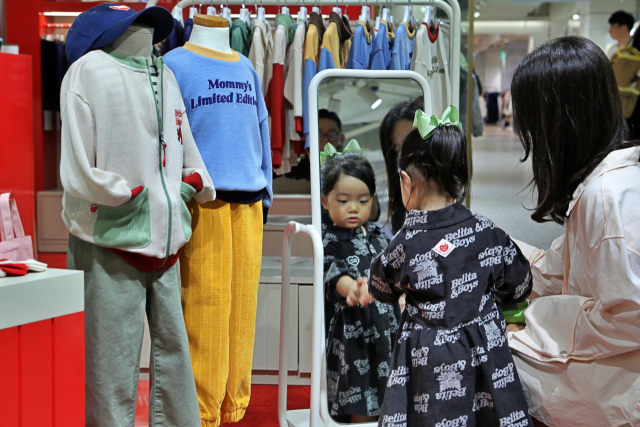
point(220, 271)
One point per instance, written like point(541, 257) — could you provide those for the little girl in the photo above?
point(451, 365)
point(360, 339)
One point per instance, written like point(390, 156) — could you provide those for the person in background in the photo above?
point(621, 23)
point(579, 355)
point(330, 129)
point(395, 126)
point(626, 68)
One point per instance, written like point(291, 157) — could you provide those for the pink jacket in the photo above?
point(588, 311)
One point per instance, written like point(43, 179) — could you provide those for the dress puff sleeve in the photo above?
point(335, 267)
point(387, 273)
point(512, 280)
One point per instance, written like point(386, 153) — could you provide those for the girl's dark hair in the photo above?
point(403, 110)
point(351, 164)
point(568, 116)
point(441, 158)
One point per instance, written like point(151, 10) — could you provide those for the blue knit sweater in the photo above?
point(228, 118)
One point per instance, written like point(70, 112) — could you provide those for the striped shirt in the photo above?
point(154, 80)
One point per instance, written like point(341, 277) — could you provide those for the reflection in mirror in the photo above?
point(355, 197)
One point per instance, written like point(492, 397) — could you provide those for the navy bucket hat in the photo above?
point(101, 25)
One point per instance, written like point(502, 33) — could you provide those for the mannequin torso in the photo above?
point(135, 41)
point(214, 38)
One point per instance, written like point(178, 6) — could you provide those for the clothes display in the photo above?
point(403, 47)
point(241, 37)
point(335, 42)
point(381, 50)
point(275, 93)
point(220, 267)
point(452, 358)
point(313, 41)
point(260, 52)
point(360, 53)
point(431, 60)
point(360, 339)
point(129, 165)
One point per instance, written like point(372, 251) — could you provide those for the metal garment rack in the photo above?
point(450, 7)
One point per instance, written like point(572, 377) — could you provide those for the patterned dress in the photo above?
point(451, 365)
point(360, 339)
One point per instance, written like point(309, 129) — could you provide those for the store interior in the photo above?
point(494, 37)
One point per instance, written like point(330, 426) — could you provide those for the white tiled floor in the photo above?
point(499, 187)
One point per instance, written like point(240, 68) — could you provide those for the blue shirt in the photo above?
point(402, 49)
point(380, 53)
point(228, 119)
point(360, 52)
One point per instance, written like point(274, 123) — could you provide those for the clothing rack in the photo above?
point(450, 7)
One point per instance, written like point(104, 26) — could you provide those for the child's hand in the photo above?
point(353, 298)
point(365, 297)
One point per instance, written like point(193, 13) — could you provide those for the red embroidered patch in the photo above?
point(179, 125)
point(119, 7)
point(444, 248)
point(93, 209)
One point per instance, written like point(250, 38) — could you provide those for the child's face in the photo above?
point(349, 203)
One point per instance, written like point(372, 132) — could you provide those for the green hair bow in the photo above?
point(427, 125)
point(330, 151)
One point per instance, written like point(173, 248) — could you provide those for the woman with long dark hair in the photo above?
point(579, 355)
point(395, 126)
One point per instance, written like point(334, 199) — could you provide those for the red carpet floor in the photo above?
point(262, 412)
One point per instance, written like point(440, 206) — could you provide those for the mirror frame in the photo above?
point(316, 207)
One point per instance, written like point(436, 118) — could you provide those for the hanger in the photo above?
point(337, 9)
point(302, 13)
point(365, 15)
point(192, 10)
point(244, 15)
point(316, 9)
point(211, 11)
point(284, 10)
point(177, 14)
point(225, 12)
point(261, 13)
point(430, 16)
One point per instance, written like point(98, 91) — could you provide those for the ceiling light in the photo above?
point(61, 13)
point(576, 17)
point(476, 15)
point(369, 96)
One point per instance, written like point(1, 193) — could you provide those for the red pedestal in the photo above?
point(42, 373)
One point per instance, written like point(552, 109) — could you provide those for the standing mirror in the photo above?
point(348, 105)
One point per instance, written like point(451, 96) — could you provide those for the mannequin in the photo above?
point(220, 266)
point(110, 161)
point(205, 34)
point(135, 41)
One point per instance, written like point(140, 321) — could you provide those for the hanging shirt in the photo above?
point(293, 89)
point(275, 93)
point(380, 52)
point(431, 61)
point(240, 37)
point(315, 33)
point(403, 47)
point(360, 52)
point(228, 119)
point(260, 52)
point(332, 52)
point(188, 27)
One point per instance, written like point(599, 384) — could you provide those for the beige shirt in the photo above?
point(591, 328)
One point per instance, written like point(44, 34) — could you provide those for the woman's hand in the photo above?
point(515, 327)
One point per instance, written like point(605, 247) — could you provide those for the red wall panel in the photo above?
point(9, 377)
point(68, 370)
point(16, 142)
point(36, 374)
